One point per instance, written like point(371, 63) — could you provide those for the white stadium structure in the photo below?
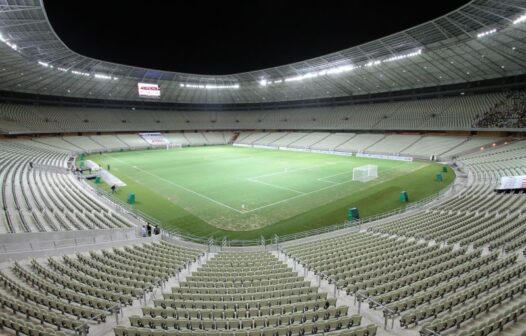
point(452, 90)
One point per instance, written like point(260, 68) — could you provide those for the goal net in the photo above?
point(365, 173)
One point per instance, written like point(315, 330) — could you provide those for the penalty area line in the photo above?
point(274, 186)
point(379, 180)
point(181, 187)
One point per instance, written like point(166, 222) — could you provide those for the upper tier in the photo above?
point(481, 40)
point(492, 111)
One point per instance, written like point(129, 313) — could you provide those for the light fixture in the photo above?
point(487, 32)
point(103, 76)
point(80, 73)
point(402, 56)
point(520, 19)
point(209, 86)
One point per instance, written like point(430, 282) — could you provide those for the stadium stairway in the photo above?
point(219, 266)
point(411, 144)
point(100, 144)
point(233, 138)
point(374, 143)
point(497, 308)
point(107, 329)
point(369, 316)
point(56, 289)
point(313, 145)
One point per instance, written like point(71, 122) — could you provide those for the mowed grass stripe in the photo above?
point(221, 173)
point(178, 185)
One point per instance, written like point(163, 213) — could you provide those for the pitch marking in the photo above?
point(317, 190)
point(274, 186)
point(180, 186)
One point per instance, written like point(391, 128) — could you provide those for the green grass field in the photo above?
point(243, 193)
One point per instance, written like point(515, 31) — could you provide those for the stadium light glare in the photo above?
point(487, 32)
point(520, 19)
point(44, 64)
point(314, 74)
point(371, 63)
point(80, 73)
point(62, 69)
point(209, 86)
point(339, 69)
point(12, 45)
point(103, 76)
point(402, 56)
point(9, 44)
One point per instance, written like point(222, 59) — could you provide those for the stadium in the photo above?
point(374, 190)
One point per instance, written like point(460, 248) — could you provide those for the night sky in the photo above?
point(225, 37)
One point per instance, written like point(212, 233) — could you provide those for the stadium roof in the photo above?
point(484, 39)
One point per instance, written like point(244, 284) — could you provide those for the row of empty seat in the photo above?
point(432, 269)
point(97, 143)
point(39, 194)
point(398, 144)
point(70, 293)
point(449, 113)
point(251, 293)
point(476, 216)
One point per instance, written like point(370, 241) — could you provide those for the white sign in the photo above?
point(385, 157)
point(513, 182)
point(149, 90)
point(297, 149)
point(156, 139)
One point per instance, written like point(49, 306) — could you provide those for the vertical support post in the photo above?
point(359, 305)
point(116, 315)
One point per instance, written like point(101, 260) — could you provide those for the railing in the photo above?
point(80, 241)
point(175, 233)
point(388, 312)
point(81, 329)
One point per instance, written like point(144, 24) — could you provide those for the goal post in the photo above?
point(365, 173)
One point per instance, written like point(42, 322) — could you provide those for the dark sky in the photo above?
point(225, 37)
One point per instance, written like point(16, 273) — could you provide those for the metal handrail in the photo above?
point(388, 312)
point(57, 244)
point(82, 329)
point(434, 333)
point(313, 232)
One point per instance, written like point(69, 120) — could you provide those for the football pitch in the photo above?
point(243, 193)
